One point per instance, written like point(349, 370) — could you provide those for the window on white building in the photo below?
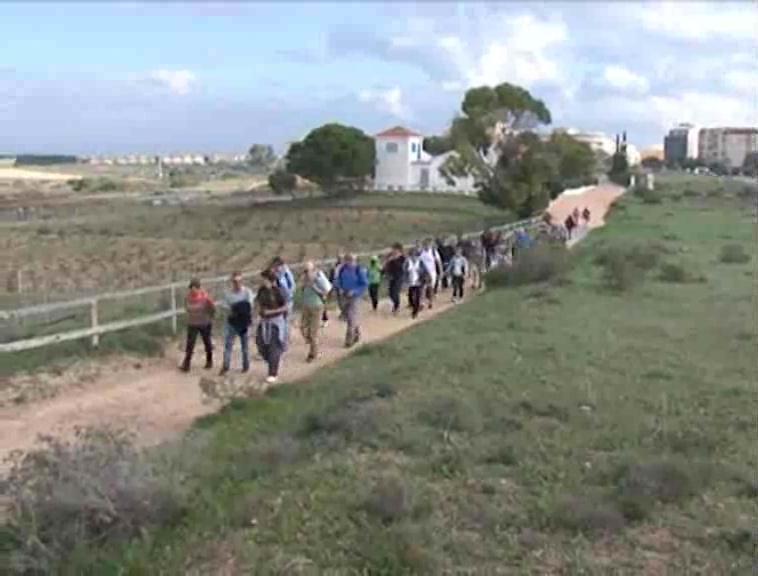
point(391, 147)
point(413, 147)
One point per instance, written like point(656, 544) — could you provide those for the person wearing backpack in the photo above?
point(394, 271)
point(352, 281)
point(458, 270)
point(239, 301)
point(374, 281)
point(285, 280)
point(316, 288)
point(415, 274)
point(333, 273)
point(271, 334)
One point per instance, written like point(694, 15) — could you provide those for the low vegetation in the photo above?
point(556, 427)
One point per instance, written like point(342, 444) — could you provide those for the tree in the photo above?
point(750, 164)
point(436, 145)
point(573, 162)
point(333, 154)
point(493, 138)
point(653, 163)
point(282, 182)
point(261, 156)
point(619, 172)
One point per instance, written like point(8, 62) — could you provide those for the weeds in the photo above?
point(66, 496)
point(734, 254)
point(588, 515)
point(676, 273)
point(540, 263)
point(625, 267)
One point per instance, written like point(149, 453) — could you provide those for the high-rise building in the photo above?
point(681, 143)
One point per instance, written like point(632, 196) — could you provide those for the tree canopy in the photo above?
point(436, 145)
point(261, 155)
point(282, 182)
point(332, 153)
point(513, 167)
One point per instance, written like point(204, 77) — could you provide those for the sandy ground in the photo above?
point(156, 401)
point(19, 174)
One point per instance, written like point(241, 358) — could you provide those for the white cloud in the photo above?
point(625, 80)
point(178, 81)
point(699, 20)
point(390, 100)
point(743, 81)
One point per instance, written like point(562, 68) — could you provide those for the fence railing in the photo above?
point(97, 329)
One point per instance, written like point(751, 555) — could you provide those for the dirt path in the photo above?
point(156, 401)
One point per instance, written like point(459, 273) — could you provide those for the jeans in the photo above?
point(230, 333)
point(373, 292)
point(192, 333)
point(458, 282)
point(395, 285)
point(414, 299)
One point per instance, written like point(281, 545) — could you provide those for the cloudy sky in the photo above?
point(102, 78)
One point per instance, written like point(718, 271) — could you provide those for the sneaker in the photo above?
point(246, 369)
point(184, 368)
point(310, 358)
point(223, 372)
point(324, 325)
point(208, 366)
point(271, 379)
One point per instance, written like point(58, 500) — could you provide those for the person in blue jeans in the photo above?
point(238, 299)
point(352, 282)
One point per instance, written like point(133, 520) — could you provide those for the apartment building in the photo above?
point(727, 146)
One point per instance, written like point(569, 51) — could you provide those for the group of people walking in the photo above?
point(424, 270)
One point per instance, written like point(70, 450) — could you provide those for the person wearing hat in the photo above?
point(200, 311)
point(374, 281)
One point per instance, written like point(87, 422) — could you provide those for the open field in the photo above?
point(24, 174)
point(600, 422)
point(109, 246)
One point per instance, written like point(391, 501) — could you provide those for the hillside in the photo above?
point(601, 422)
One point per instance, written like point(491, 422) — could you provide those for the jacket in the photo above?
point(352, 279)
point(374, 273)
point(200, 308)
point(286, 281)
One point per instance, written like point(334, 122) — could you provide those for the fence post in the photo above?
point(19, 281)
point(94, 322)
point(174, 326)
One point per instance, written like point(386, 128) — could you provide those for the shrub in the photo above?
point(69, 495)
point(676, 273)
point(640, 486)
point(626, 266)
point(587, 515)
point(450, 413)
point(391, 499)
point(734, 254)
point(540, 263)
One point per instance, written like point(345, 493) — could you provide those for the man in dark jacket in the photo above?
point(394, 272)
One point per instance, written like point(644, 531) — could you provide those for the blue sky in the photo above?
point(106, 78)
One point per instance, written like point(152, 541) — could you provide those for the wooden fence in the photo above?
point(96, 329)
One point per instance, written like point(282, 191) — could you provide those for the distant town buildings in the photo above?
point(600, 142)
point(726, 146)
point(169, 160)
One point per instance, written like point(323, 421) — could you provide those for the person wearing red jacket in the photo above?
point(200, 312)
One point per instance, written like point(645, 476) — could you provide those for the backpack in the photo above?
point(358, 271)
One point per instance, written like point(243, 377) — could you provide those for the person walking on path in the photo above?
point(200, 311)
point(446, 250)
point(458, 270)
point(586, 215)
point(316, 288)
point(352, 282)
point(394, 271)
point(239, 301)
point(414, 277)
point(490, 240)
point(430, 257)
point(333, 273)
point(570, 224)
point(374, 281)
point(285, 280)
point(271, 335)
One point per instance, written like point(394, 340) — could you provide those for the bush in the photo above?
point(676, 273)
point(391, 499)
point(587, 515)
point(540, 263)
point(626, 266)
point(69, 495)
point(734, 254)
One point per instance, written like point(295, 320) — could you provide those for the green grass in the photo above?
point(567, 427)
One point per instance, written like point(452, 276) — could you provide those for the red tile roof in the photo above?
point(397, 132)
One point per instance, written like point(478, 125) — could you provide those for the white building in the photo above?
point(597, 141)
point(402, 164)
point(728, 146)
